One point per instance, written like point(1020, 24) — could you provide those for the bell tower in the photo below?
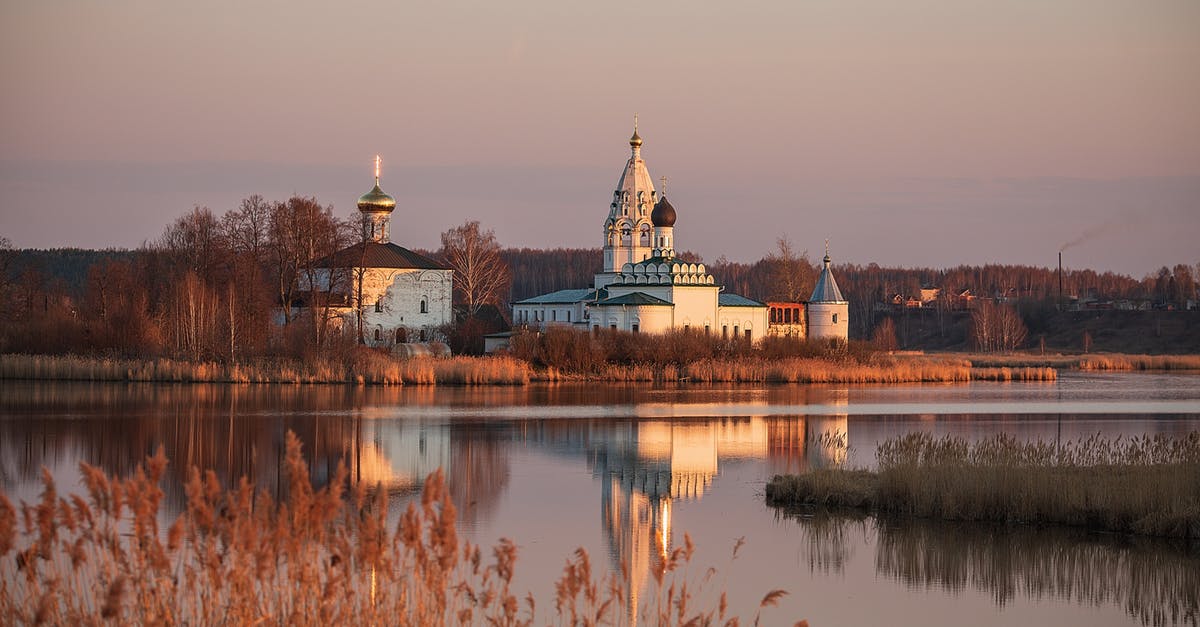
point(628, 231)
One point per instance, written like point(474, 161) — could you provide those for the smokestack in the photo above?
point(1060, 293)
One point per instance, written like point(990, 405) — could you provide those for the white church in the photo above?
point(644, 288)
point(403, 297)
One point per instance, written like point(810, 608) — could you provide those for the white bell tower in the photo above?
point(628, 231)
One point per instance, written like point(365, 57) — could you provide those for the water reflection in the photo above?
point(1155, 581)
point(647, 451)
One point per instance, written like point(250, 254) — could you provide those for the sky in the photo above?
point(921, 133)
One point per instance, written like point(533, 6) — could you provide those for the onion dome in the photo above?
point(376, 200)
point(663, 213)
point(636, 140)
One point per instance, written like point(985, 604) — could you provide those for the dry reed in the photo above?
point(1088, 362)
point(1148, 485)
point(321, 556)
point(367, 367)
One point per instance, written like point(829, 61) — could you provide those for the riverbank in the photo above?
point(1148, 486)
point(1086, 362)
point(375, 368)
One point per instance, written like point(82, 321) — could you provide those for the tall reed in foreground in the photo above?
point(1147, 485)
point(322, 556)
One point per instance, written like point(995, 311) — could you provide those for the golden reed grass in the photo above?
point(320, 557)
point(368, 367)
point(1088, 362)
point(1147, 485)
point(373, 368)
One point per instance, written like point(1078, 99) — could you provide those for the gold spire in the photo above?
point(636, 140)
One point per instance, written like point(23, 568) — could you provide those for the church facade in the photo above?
point(401, 297)
point(643, 287)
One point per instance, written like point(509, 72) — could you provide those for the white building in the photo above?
point(643, 286)
point(828, 313)
point(402, 296)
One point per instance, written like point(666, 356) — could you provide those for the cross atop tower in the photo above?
point(377, 160)
point(663, 179)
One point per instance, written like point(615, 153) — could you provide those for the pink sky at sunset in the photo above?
point(925, 133)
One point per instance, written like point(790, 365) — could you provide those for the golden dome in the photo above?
point(636, 140)
point(376, 200)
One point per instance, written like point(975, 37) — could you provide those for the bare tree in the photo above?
point(196, 242)
point(884, 337)
point(480, 276)
point(791, 276)
point(997, 327)
point(247, 228)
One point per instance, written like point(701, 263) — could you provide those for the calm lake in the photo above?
point(607, 467)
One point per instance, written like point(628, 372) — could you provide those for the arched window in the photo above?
point(378, 334)
point(424, 306)
point(379, 305)
point(835, 318)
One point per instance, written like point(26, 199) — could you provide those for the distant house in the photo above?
point(962, 300)
point(930, 294)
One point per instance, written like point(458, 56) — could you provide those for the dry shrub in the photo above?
point(320, 556)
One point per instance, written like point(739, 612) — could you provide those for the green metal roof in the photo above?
point(636, 298)
point(735, 300)
point(562, 297)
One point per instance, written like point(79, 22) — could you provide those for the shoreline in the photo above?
point(375, 368)
point(371, 368)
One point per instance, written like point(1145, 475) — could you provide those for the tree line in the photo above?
point(252, 282)
point(243, 284)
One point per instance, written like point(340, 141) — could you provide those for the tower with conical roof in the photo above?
point(376, 207)
point(628, 230)
point(828, 312)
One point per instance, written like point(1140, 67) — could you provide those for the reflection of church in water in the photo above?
point(646, 467)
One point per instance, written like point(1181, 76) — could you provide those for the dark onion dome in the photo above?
point(663, 214)
point(376, 200)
